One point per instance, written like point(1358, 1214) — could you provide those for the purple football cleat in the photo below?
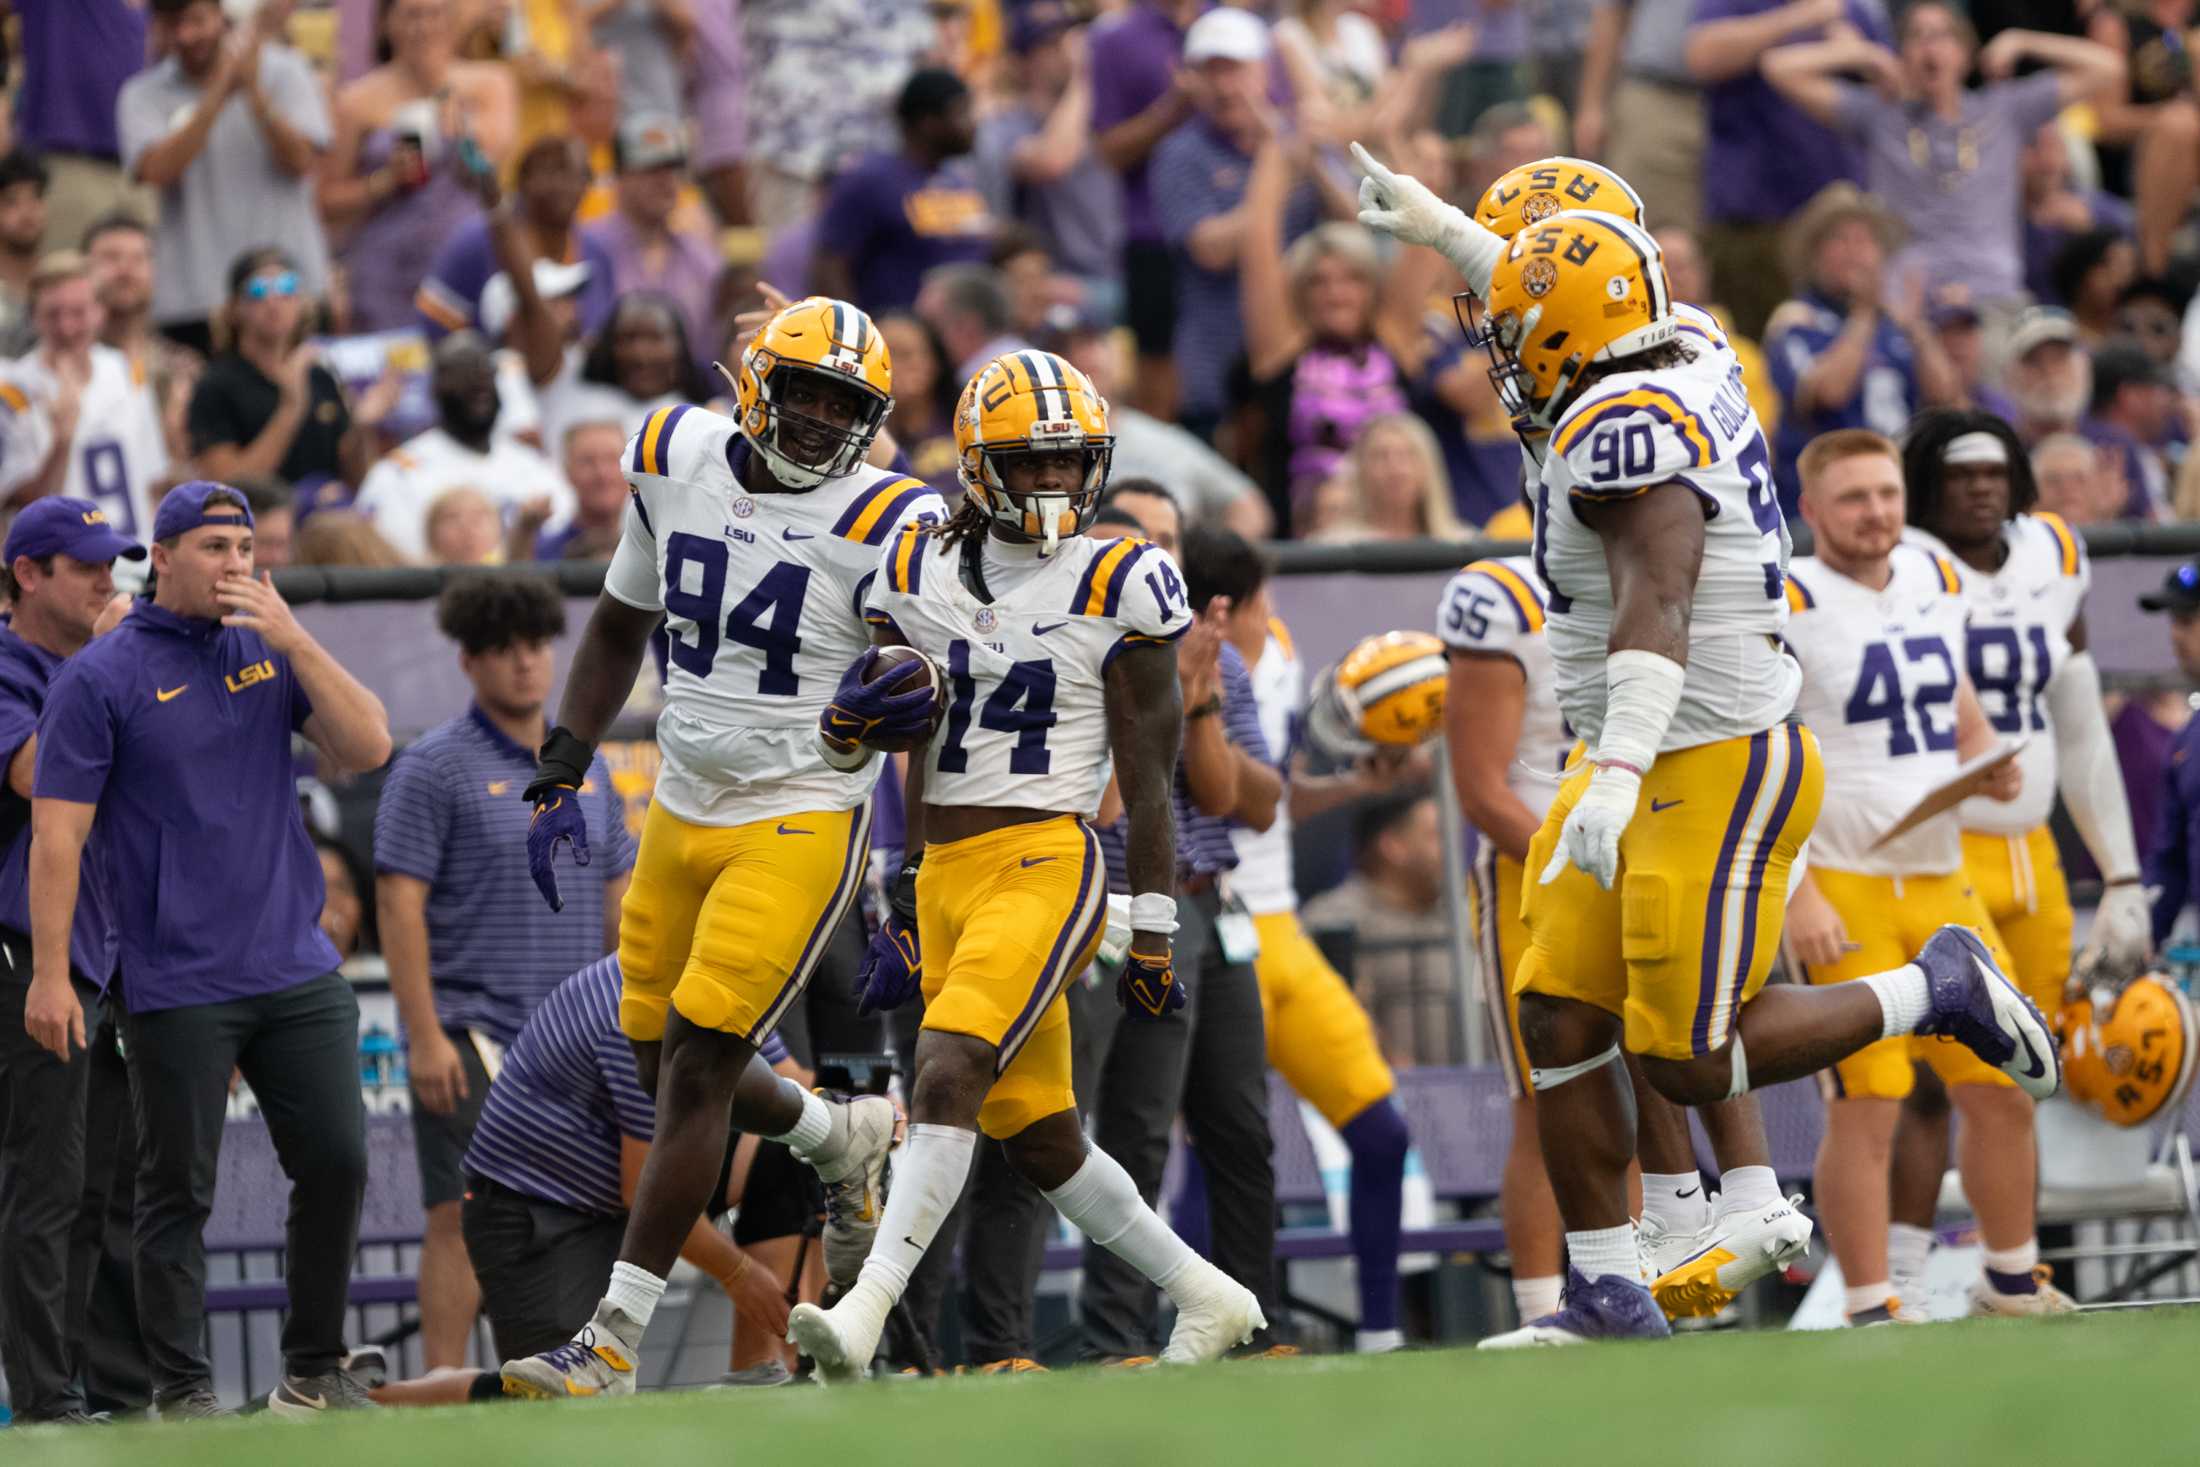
point(1608, 1308)
point(1973, 1004)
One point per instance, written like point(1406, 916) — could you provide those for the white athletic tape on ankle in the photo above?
point(1539, 1079)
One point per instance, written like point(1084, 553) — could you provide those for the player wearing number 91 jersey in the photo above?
point(1058, 653)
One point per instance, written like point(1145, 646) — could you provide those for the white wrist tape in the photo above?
point(1641, 690)
point(846, 761)
point(2091, 780)
point(1153, 912)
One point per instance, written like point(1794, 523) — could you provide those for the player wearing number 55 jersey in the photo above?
point(1058, 658)
point(752, 538)
point(1661, 869)
point(1878, 627)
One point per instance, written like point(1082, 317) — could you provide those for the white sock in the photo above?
point(1908, 1248)
point(811, 1129)
point(2021, 1259)
point(1904, 999)
point(1103, 1201)
point(1536, 1297)
point(1676, 1200)
point(634, 1292)
point(1606, 1250)
point(1867, 1296)
point(1378, 1341)
point(928, 1181)
point(1743, 1187)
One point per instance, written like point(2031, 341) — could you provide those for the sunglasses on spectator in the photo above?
point(260, 287)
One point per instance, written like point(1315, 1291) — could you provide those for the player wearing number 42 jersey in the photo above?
point(1661, 869)
point(752, 537)
point(1058, 663)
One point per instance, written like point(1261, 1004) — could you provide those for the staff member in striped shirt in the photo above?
point(60, 1106)
point(1214, 1066)
point(455, 903)
point(175, 730)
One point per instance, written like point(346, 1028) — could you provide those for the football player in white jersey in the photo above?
point(1696, 1256)
point(752, 539)
point(1059, 660)
point(77, 417)
point(1878, 626)
point(2025, 576)
point(1661, 869)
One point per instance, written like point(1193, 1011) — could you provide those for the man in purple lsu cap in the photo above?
point(174, 730)
point(63, 1118)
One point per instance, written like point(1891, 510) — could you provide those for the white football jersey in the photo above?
point(1264, 878)
point(1715, 362)
point(2019, 639)
point(1629, 433)
point(763, 596)
point(119, 449)
point(1497, 606)
point(1026, 720)
point(1880, 674)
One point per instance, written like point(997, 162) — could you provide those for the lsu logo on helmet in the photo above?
point(830, 339)
point(1534, 192)
point(2130, 1055)
point(1032, 403)
point(1578, 288)
point(1388, 691)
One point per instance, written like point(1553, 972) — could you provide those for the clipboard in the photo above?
point(1967, 781)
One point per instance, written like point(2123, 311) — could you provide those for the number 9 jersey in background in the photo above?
point(762, 595)
point(1630, 433)
point(1026, 722)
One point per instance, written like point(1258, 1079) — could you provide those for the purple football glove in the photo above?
point(892, 970)
point(555, 792)
point(1147, 987)
point(861, 711)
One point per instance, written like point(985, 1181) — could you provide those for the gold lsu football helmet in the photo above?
point(2130, 1054)
point(1388, 691)
point(1027, 403)
point(1533, 192)
point(833, 340)
point(1577, 288)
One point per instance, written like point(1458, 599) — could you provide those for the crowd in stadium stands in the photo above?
point(409, 274)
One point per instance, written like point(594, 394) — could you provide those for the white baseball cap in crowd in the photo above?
point(553, 279)
point(1226, 33)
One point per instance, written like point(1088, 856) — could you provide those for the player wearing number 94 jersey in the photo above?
point(1661, 870)
point(752, 537)
point(1059, 660)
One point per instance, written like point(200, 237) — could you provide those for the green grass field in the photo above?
point(2122, 1388)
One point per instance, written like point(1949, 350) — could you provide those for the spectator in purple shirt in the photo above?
point(1947, 158)
point(2057, 211)
point(174, 730)
point(896, 214)
point(640, 236)
point(76, 54)
point(1138, 98)
point(552, 177)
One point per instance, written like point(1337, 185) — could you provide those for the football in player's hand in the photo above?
point(901, 670)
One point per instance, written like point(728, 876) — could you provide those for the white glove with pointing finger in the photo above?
point(1406, 209)
point(1589, 839)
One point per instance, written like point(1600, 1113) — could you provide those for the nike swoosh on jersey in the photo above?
point(164, 694)
point(1658, 808)
point(796, 535)
point(1052, 626)
point(1030, 861)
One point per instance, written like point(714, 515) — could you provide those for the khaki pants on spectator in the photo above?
point(1657, 146)
point(82, 190)
point(776, 198)
point(1747, 275)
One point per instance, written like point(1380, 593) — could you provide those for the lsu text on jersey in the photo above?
point(1320, 1037)
point(753, 847)
point(1880, 673)
point(1496, 608)
point(1006, 919)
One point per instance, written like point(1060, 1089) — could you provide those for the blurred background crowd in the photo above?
point(274, 240)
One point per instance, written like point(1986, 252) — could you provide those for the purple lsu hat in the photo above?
point(184, 508)
point(76, 528)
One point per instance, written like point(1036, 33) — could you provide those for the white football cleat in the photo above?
point(840, 1344)
point(2044, 1298)
point(599, 1361)
point(1742, 1247)
point(1220, 1315)
point(854, 1195)
point(1664, 1249)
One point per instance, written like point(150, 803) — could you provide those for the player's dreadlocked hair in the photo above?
point(970, 518)
point(1926, 444)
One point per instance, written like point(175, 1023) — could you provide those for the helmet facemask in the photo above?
point(831, 451)
point(1050, 516)
point(1500, 336)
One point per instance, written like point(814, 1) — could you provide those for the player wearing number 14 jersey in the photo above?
point(1059, 661)
point(1661, 869)
point(752, 537)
